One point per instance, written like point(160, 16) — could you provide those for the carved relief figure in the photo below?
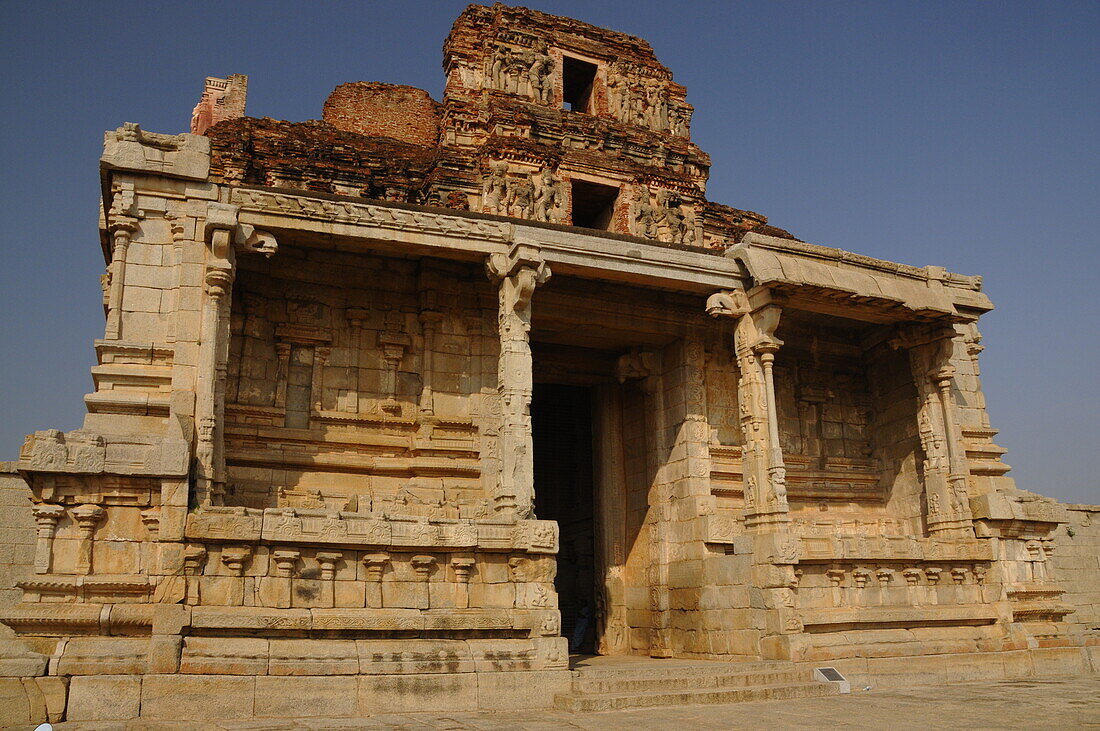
point(495, 191)
point(547, 195)
point(538, 75)
point(521, 197)
point(645, 215)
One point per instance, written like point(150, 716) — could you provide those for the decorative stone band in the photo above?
point(300, 526)
point(824, 548)
point(938, 614)
point(367, 215)
point(105, 619)
point(55, 618)
point(85, 452)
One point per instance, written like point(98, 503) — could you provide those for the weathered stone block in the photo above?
point(197, 697)
point(502, 691)
point(418, 693)
point(302, 697)
point(225, 656)
point(104, 698)
point(313, 657)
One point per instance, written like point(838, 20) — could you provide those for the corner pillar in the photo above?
point(947, 503)
point(517, 273)
point(225, 237)
point(757, 314)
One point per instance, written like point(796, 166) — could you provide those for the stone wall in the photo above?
point(17, 549)
point(1075, 564)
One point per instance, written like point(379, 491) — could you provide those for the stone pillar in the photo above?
point(46, 517)
point(947, 505)
point(121, 229)
point(757, 316)
point(86, 517)
point(219, 282)
point(611, 539)
point(375, 564)
point(517, 274)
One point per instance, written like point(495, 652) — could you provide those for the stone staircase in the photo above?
point(615, 683)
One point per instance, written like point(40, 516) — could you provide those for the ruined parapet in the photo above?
point(221, 99)
point(378, 109)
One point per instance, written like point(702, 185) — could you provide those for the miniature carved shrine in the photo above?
point(442, 392)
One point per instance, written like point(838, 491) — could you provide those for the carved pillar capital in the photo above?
point(757, 313)
point(285, 562)
point(235, 557)
point(47, 515)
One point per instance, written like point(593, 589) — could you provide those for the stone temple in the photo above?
point(404, 408)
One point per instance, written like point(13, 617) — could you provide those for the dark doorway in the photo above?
point(561, 418)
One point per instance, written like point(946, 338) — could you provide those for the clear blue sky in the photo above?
point(962, 134)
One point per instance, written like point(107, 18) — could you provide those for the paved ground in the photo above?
point(1061, 703)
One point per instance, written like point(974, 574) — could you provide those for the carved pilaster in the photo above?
point(122, 228)
point(423, 566)
point(462, 566)
point(757, 316)
point(286, 561)
point(328, 560)
point(194, 557)
point(375, 565)
point(356, 317)
point(945, 467)
point(234, 558)
point(86, 517)
point(518, 273)
point(45, 517)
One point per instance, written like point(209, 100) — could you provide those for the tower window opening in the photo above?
point(578, 78)
point(593, 204)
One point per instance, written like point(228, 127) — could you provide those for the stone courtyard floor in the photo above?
point(1066, 702)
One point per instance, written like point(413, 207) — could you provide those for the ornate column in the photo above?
point(45, 517)
point(947, 503)
point(224, 235)
point(757, 316)
point(517, 274)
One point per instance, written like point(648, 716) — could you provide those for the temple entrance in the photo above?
point(562, 428)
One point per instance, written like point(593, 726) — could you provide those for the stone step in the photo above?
point(620, 701)
point(629, 684)
point(675, 668)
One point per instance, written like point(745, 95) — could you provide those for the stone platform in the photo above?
point(1063, 702)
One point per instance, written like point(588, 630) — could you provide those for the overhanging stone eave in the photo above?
point(420, 230)
point(822, 278)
